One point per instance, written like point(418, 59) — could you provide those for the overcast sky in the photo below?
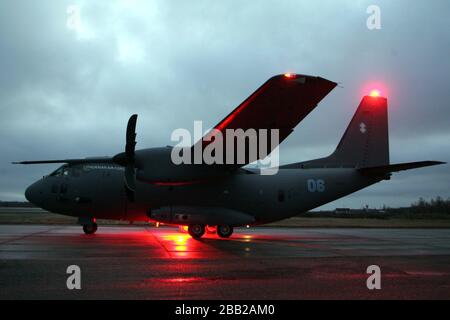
point(67, 88)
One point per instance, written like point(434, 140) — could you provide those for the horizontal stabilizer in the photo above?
point(380, 170)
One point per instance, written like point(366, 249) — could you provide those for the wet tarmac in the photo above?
point(138, 262)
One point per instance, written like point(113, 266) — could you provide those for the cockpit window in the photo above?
point(78, 170)
point(58, 172)
point(67, 171)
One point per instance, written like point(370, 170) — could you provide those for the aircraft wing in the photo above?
point(69, 161)
point(280, 103)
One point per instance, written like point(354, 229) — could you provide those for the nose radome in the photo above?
point(30, 193)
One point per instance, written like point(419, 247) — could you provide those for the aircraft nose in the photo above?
point(31, 193)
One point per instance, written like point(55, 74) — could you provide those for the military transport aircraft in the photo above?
point(145, 185)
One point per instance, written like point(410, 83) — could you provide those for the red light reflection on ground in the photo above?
point(182, 279)
point(179, 244)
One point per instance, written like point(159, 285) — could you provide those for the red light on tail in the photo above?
point(375, 93)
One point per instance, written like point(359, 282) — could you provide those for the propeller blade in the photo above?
point(126, 159)
point(131, 136)
point(130, 182)
point(130, 178)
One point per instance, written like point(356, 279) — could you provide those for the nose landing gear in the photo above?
point(90, 228)
point(89, 224)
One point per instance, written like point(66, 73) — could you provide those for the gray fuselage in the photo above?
point(97, 191)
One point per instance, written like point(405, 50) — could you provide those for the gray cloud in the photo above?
point(68, 93)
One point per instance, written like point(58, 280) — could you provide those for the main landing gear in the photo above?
point(198, 230)
point(224, 231)
point(90, 228)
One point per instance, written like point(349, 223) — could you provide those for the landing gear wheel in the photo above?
point(224, 231)
point(196, 230)
point(90, 228)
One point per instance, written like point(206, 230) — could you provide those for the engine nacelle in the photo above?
point(155, 165)
point(185, 215)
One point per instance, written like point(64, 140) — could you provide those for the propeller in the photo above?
point(127, 158)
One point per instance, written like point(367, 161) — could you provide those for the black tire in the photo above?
point(196, 230)
point(90, 228)
point(224, 231)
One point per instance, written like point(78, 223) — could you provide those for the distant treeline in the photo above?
point(437, 208)
point(16, 204)
point(435, 205)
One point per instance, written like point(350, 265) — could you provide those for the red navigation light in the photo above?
point(374, 93)
point(289, 75)
point(375, 90)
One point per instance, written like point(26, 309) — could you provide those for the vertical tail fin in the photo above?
point(365, 142)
